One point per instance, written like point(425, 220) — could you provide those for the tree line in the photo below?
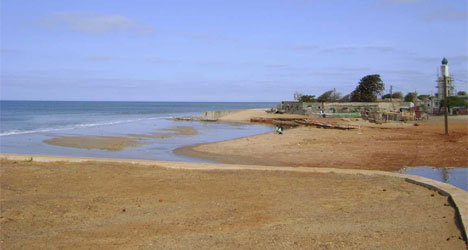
point(372, 86)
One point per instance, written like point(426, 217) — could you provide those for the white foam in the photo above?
point(84, 125)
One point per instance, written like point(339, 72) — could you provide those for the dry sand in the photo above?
point(116, 143)
point(102, 205)
point(246, 114)
point(379, 147)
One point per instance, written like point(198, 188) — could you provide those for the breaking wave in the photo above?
point(84, 125)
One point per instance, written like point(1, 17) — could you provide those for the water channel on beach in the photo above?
point(454, 176)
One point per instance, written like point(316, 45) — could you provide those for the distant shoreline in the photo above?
point(130, 101)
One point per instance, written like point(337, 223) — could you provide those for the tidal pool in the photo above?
point(454, 176)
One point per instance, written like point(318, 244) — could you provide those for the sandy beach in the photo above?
point(99, 205)
point(386, 147)
point(109, 204)
point(246, 114)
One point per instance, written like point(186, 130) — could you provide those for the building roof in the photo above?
point(444, 61)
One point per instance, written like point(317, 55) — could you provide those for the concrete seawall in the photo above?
point(214, 115)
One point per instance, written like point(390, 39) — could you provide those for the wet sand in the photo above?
point(110, 143)
point(116, 143)
point(180, 130)
point(386, 147)
point(99, 205)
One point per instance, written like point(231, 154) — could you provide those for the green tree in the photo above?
point(410, 97)
point(369, 87)
point(454, 101)
point(326, 97)
point(461, 93)
point(398, 95)
point(329, 96)
point(346, 98)
point(423, 97)
point(308, 98)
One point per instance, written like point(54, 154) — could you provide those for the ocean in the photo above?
point(24, 125)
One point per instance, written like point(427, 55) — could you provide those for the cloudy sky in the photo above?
point(238, 50)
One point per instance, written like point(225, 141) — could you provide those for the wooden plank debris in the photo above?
point(294, 122)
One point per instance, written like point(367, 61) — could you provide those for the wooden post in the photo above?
point(391, 93)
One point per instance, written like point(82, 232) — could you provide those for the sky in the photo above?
point(240, 50)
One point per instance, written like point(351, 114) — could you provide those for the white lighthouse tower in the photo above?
point(444, 73)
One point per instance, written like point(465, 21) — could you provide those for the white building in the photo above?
point(444, 74)
point(432, 106)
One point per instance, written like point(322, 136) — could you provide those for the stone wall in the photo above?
point(214, 115)
point(341, 108)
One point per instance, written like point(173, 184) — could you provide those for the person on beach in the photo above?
point(279, 130)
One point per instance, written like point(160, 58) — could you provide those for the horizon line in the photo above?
point(11, 100)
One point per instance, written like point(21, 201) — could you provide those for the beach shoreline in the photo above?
point(387, 147)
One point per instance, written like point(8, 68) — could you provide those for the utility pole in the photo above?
point(391, 93)
point(445, 105)
point(334, 94)
point(391, 97)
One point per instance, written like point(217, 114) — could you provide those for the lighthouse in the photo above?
point(444, 73)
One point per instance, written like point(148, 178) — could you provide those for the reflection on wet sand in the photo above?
point(117, 143)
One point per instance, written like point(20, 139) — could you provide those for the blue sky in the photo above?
point(225, 50)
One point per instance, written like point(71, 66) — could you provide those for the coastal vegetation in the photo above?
point(410, 97)
point(308, 98)
point(329, 96)
point(396, 95)
point(455, 101)
point(369, 87)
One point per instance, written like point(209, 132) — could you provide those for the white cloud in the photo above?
point(351, 49)
point(89, 22)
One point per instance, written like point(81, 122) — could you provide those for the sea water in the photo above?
point(24, 125)
point(454, 176)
